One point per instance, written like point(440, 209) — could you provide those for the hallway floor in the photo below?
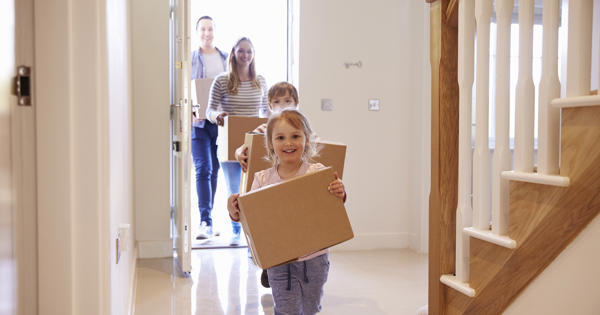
point(225, 281)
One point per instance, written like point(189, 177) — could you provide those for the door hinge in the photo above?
point(23, 86)
point(176, 146)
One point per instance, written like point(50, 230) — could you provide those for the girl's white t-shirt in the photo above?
point(270, 176)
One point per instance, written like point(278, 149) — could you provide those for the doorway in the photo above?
point(268, 24)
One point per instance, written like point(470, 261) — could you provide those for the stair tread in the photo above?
point(537, 178)
point(577, 101)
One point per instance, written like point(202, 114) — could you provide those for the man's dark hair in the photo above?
point(206, 17)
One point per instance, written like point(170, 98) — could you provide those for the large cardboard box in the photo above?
point(330, 154)
point(291, 219)
point(232, 133)
point(202, 93)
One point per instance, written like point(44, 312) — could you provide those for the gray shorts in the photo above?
point(300, 290)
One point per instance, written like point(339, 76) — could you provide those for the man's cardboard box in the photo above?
point(232, 134)
point(202, 92)
point(294, 218)
point(329, 154)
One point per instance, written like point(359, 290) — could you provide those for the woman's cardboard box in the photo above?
point(232, 133)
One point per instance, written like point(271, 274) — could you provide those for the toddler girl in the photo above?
point(297, 286)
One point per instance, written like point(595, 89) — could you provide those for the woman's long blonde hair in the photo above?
point(233, 81)
point(298, 121)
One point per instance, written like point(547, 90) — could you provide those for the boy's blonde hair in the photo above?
point(282, 88)
point(233, 81)
point(298, 121)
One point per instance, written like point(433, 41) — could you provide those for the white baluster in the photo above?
point(549, 116)
point(524, 108)
point(579, 55)
point(464, 211)
point(481, 157)
point(504, 9)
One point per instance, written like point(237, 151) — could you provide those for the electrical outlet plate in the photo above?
point(373, 104)
point(326, 104)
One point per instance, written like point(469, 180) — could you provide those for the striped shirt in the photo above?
point(249, 101)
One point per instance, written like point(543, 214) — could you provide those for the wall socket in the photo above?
point(326, 104)
point(374, 104)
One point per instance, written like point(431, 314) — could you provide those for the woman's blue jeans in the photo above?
point(204, 152)
point(232, 171)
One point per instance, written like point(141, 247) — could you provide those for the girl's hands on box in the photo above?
point(233, 207)
point(241, 154)
point(336, 187)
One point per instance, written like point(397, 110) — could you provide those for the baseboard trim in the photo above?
point(375, 241)
point(155, 249)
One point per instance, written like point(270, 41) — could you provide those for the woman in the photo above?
point(238, 92)
point(207, 62)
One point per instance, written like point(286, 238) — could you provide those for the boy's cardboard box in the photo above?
point(330, 154)
point(291, 219)
point(232, 134)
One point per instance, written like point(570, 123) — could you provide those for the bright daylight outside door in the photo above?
point(181, 129)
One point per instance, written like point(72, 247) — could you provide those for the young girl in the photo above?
point(297, 286)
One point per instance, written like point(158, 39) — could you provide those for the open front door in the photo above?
point(181, 124)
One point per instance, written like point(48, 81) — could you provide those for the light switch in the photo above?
point(374, 104)
point(326, 104)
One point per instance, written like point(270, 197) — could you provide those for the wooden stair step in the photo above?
point(462, 287)
point(537, 178)
point(489, 236)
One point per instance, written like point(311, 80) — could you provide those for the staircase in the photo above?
point(511, 222)
point(544, 219)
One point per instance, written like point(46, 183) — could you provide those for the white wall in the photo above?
point(84, 156)
point(569, 285)
point(387, 162)
point(150, 70)
point(73, 214)
point(120, 157)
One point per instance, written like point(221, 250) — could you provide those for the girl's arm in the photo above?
point(336, 187)
point(232, 202)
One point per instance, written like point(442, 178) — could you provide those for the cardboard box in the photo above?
point(202, 93)
point(330, 154)
point(232, 133)
point(291, 219)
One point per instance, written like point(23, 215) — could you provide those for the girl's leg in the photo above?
point(317, 270)
point(286, 301)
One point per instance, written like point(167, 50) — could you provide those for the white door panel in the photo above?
point(181, 132)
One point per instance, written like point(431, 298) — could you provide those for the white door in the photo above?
point(18, 157)
point(8, 285)
point(181, 129)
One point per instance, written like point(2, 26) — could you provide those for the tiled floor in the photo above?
point(225, 281)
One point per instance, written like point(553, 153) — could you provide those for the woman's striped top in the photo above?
point(249, 101)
